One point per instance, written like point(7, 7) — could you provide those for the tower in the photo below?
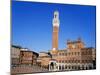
point(55, 31)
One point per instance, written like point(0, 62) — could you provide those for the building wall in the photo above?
point(86, 55)
point(43, 59)
point(69, 57)
point(28, 57)
point(94, 54)
point(15, 53)
point(76, 55)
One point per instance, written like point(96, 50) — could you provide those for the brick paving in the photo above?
point(27, 69)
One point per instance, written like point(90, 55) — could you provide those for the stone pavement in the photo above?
point(27, 69)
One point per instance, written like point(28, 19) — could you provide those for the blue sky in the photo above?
point(32, 24)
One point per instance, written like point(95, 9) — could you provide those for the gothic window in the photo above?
point(86, 61)
point(59, 61)
point(59, 53)
point(72, 53)
point(62, 61)
point(62, 54)
point(66, 54)
point(78, 61)
point(69, 61)
point(75, 53)
point(69, 53)
point(66, 61)
point(78, 53)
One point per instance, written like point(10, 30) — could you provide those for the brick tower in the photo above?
point(55, 31)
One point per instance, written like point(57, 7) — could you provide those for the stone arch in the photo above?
point(53, 65)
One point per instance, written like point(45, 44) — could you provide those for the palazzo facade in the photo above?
point(74, 57)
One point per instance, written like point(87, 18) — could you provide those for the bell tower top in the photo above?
point(56, 19)
point(56, 14)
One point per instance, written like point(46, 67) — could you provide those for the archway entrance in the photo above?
point(53, 65)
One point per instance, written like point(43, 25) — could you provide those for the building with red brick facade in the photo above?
point(28, 57)
point(74, 57)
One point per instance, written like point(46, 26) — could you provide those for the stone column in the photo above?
point(61, 67)
point(54, 67)
point(88, 67)
point(58, 67)
point(71, 67)
point(49, 67)
point(84, 67)
point(80, 67)
point(64, 66)
point(92, 66)
point(68, 67)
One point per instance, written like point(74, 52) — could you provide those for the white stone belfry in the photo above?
point(56, 21)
